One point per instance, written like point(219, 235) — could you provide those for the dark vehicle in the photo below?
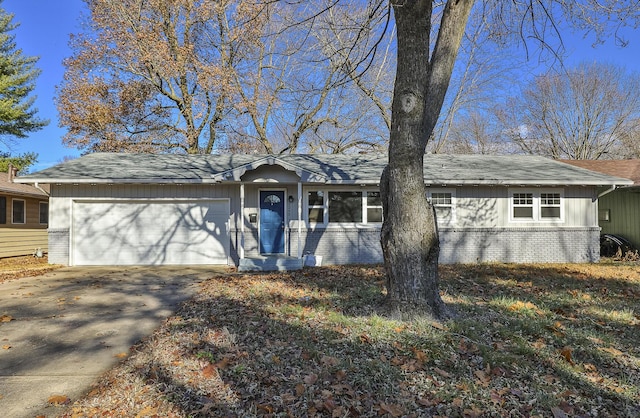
point(615, 245)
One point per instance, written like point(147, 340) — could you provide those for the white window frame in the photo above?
point(537, 205)
point(24, 211)
point(366, 206)
point(452, 205)
point(326, 202)
point(40, 213)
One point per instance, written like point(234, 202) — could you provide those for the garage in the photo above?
point(150, 232)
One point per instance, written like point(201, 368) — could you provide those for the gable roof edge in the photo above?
point(236, 173)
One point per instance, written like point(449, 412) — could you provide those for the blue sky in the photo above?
point(44, 31)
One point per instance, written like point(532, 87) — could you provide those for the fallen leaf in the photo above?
point(567, 354)
point(329, 404)
point(558, 413)
point(365, 339)
point(222, 364)
point(420, 355)
point(329, 361)
point(393, 410)
point(147, 411)
point(613, 351)
point(6, 347)
point(483, 378)
point(474, 412)
point(442, 372)
point(209, 371)
point(58, 400)
point(496, 398)
point(300, 389)
point(6, 318)
point(266, 408)
point(438, 325)
point(311, 379)
point(457, 402)
point(121, 355)
point(539, 344)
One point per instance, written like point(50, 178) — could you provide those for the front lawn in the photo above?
point(529, 340)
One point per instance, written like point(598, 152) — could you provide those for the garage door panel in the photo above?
point(150, 233)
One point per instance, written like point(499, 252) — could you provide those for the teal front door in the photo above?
point(271, 222)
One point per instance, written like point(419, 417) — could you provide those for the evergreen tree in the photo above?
point(22, 161)
point(17, 81)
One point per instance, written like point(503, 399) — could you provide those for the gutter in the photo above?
point(606, 192)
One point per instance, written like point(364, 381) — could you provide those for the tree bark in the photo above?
point(409, 235)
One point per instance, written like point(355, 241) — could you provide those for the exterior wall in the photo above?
point(488, 207)
point(462, 245)
point(23, 239)
point(520, 245)
point(62, 197)
point(481, 231)
point(16, 242)
point(623, 206)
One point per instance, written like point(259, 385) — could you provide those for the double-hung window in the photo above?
point(536, 205)
point(18, 211)
point(326, 207)
point(3, 210)
point(550, 207)
point(443, 201)
point(522, 206)
point(44, 213)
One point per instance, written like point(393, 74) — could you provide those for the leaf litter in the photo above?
point(317, 343)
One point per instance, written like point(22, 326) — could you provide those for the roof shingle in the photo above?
point(366, 168)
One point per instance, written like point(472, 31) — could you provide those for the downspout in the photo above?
point(299, 220)
point(597, 201)
point(37, 186)
point(241, 249)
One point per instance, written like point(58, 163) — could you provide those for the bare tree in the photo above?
point(299, 94)
point(409, 234)
point(152, 75)
point(582, 113)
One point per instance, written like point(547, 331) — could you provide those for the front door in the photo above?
point(271, 222)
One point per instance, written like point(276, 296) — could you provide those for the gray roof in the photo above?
point(439, 169)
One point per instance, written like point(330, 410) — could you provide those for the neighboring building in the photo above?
point(24, 217)
point(619, 209)
point(110, 209)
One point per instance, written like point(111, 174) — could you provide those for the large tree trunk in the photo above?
point(409, 236)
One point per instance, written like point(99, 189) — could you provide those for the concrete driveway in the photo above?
point(61, 330)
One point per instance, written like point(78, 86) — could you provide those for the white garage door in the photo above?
point(150, 232)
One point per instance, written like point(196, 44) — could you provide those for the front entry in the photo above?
point(271, 222)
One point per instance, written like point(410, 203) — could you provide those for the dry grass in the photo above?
point(529, 341)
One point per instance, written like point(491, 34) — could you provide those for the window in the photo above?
point(44, 213)
point(327, 207)
point(18, 211)
point(316, 206)
point(373, 204)
point(604, 215)
point(3, 210)
point(550, 205)
point(345, 207)
point(536, 206)
point(443, 202)
point(523, 206)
